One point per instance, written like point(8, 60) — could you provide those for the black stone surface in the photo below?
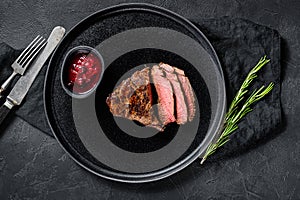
point(33, 166)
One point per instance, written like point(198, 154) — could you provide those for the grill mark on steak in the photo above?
point(165, 96)
point(140, 104)
point(181, 112)
point(188, 93)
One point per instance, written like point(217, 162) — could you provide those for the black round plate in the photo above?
point(130, 37)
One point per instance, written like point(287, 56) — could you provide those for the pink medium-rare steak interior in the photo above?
point(188, 92)
point(181, 109)
point(165, 96)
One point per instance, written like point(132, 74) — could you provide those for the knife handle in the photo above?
point(4, 110)
point(7, 82)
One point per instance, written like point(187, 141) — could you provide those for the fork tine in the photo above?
point(29, 50)
point(28, 47)
point(33, 56)
point(32, 52)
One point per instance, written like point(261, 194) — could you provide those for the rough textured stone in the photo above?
point(33, 166)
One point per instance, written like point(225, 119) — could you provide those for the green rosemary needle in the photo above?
point(235, 112)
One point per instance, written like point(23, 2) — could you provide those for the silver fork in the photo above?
point(23, 61)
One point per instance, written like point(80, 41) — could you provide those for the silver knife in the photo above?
point(21, 88)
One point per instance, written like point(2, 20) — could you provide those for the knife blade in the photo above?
point(23, 85)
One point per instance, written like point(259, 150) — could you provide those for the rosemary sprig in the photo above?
point(235, 113)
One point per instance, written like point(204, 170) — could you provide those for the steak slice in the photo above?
point(188, 92)
point(181, 109)
point(132, 99)
point(165, 96)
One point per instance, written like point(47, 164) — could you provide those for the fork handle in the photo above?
point(7, 82)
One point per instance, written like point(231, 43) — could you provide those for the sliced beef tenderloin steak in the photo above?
point(132, 99)
point(181, 108)
point(188, 93)
point(165, 95)
point(164, 85)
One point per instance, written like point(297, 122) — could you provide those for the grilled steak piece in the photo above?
point(188, 93)
point(132, 99)
point(165, 96)
point(170, 89)
point(181, 109)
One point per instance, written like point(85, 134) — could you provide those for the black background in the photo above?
point(33, 166)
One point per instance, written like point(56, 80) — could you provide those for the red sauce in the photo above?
point(84, 72)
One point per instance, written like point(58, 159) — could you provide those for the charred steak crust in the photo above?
point(188, 93)
point(132, 99)
point(181, 108)
point(118, 101)
point(165, 96)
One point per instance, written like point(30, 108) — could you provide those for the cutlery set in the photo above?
point(35, 55)
point(23, 61)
